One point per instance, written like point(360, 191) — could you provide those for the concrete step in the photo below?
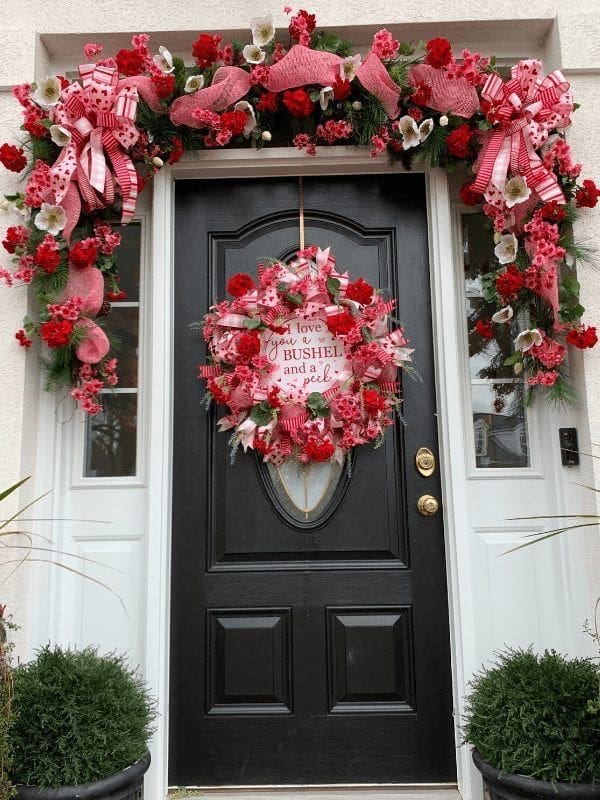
point(420, 792)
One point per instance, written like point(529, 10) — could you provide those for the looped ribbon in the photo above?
point(527, 108)
point(100, 115)
point(209, 370)
point(448, 94)
point(88, 284)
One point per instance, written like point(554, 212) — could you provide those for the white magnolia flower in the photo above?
point(506, 249)
point(51, 218)
point(193, 83)
point(266, 136)
point(409, 130)
point(325, 97)
point(527, 339)
point(263, 30)
point(444, 120)
point(349, 66)
point(158, 162)
point(244, 105)
point(253, 54)
point(47, 93)
point(425, 129)
point(504, 315)
point(516, 191)
point(164, 60)
point(59, 135)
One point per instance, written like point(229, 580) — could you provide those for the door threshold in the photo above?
point(337, 791)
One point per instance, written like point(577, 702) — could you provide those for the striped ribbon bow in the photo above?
point(526, 108)
point(100, 117)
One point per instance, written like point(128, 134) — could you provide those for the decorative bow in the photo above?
point(526, 108)
point(100, 116)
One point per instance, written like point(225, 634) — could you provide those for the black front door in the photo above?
point(306, 651)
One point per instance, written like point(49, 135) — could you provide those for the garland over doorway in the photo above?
point(92, 144)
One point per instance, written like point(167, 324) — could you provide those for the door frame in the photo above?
point(448, 335)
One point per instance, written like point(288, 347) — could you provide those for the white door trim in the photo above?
point(447, 320)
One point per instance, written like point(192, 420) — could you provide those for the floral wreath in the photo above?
point(304, 361)
point(93, 143)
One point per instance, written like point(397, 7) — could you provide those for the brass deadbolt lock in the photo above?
point(425, 462)
point(427, 505)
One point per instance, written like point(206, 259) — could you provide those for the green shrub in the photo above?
point(78, 717)
point(537, 716)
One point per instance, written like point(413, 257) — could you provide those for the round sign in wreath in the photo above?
point(304, 360)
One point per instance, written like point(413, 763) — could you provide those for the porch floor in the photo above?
point(321, 793)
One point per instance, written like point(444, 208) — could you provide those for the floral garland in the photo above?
point(274, 350)
point(92, 145)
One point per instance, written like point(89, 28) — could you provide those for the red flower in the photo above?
point(582, 337)
point(318, 449)
point(298, 103)
point(510, 282)
point(84, 253)
point(235, 121)
point(341, 89)
point(206, 49)
point(421, 95)
point(239, 284)
point(248, 345)
point(468, 195)
point(23, 339)
point(261, 445)
point(553, 212)
point(458, 141)
point(302, 24)
point(439, 53)
point(32, 124)
point(47, 257)
point(485, 328)
point(164, 85)
point(268, 101)
point(585, 197)
point(176, 150)
point(130, 62)
point(115, 297)
point(16, 236)
point(13, 158)
point(361, 291)
point(273, 397)
point(373, 402)
point(340, 324)
point(56, 334)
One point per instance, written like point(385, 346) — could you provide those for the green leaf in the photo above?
point(331, 43)
point(317, 405)
point(571, 313)
point(12, 488)
point(262, 414)
point(571, 286)
point(406, 49)
point(253, 323)
point(333, 287)
point(513, 359)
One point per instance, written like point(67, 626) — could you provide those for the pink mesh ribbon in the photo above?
point(375, 79)
point(527, 108)
point(229, 85)
point(88, 284)
point(449, 95)
point(303, 66)
point(101, 119)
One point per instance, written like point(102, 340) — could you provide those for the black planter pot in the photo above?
point(517, 787)
point(125, 785)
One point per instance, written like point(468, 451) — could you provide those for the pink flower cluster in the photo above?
point(384, 45)
point(70, 309)
point(90, 382)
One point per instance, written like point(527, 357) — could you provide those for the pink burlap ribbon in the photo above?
point(448, 95)
point(88, 284)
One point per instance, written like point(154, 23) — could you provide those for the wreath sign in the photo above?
point(304, 361)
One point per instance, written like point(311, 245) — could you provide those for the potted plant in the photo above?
point(534, 722)
point(80, 727)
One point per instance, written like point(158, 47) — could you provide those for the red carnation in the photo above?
point(23, 339)
point(164, 85)
point(13, 157)
point(458, 141)
point(268, 101)
point(361, 291)
point(553, 212)
point(217, 392)
point(116, 297)
point(341, 89)
point(582, 337)
point(248, 345)
point(298, 103)
point(206, 49)
point(177, 150)
point(585, 197)
point(468, 195)
point(32, 123)
point(510, 282)
point(234, 121)
point(302, 24)
point(239, 284)
point(373, 402)
point(340, 324)
point(421, 95)
point(130, 62)
point(439, 53)
point(56, 334)
point(318, 449)
point(16, 236)
point(47, 257)
point(485, 328)
point(84, 253)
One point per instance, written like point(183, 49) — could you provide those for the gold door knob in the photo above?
point(425, 462)
point(427, 505)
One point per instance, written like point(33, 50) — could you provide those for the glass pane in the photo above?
point(111, 438)
point(123, 323)
point(128, 259)
point(499, 425)
point(304, 492)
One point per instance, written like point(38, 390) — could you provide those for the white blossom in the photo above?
point(410, 132)
point(504, 315)
point(349, 66)
point(263, 30)
point(158, 162)
point(444, 120)
point(506, 249)
point(253, 54)
point(51, 218)
point(164, 60)
point(47, 93)
point(516, 191)
point(356, 105)
point(425, 129)
point(325, 97)
point(528, 339)
point(59, 135)
point(193, 83)
point(266, 136)
point(244, 105)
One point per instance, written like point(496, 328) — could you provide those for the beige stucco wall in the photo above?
point(566, 34)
